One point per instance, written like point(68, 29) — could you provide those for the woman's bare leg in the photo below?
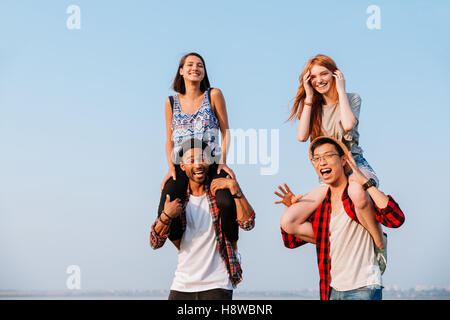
point(365, 211)
point(293, 220)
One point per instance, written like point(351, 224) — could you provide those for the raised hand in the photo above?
point(340, 81)
point(307, 86)
point(288, 198)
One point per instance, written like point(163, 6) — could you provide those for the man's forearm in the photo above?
point(244, 210)
point(162, 226)
point(380, 199)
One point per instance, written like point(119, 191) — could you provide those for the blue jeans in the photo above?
point(373, 292)
point(362, 163)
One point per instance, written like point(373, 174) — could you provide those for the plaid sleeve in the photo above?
point(391, 216)
point(291, 241)
point(156, 240)
point(247, 225)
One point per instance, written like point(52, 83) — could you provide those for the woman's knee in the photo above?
point(359, 197)
point(225, 202)
point(288, 220)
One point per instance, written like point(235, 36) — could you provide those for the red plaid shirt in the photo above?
point(391, 217)
point(226, 250)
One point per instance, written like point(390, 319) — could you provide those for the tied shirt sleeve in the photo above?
point(391, 216)
point(156, 240)
point(248, 224)
point(290, 241)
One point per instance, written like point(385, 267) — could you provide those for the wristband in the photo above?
point(163, 221)
point(169, 217)
point(308, 104)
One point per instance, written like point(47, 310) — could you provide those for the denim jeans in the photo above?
point(373, 292)
point(362, 163)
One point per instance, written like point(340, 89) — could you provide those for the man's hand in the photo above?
point(357, 175)
point(288, 198)
point(172, 208)
point(224, 183)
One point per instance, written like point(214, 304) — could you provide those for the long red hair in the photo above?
point(315, 124)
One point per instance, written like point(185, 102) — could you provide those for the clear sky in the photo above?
point(82, 130)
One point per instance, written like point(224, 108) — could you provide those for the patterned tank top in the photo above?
point(202, 125)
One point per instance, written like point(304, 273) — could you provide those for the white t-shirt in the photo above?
point(352, 252)
point(200, 266)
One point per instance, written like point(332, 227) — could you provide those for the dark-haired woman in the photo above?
point(197, 111)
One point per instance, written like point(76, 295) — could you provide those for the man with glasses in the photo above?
point(208, 262)
point(348, 266)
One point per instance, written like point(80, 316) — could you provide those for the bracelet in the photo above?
point(170, 218)
point(163, 221)
point(308, 104)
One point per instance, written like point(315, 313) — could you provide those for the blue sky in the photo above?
point(82, 130)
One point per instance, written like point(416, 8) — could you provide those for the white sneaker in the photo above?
point(381, 255)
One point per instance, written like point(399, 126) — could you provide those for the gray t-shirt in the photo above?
point(332, 126)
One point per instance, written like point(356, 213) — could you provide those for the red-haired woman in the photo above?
point(197, 111)
point(323, 108)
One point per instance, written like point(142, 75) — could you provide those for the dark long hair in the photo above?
point(178, 83)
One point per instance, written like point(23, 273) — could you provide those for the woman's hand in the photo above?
point(171, 174)
point(307, 86)
point(224, 167)
point(340, 81)
point(288, 198)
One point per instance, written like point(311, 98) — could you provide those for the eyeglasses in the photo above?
point(328, 156)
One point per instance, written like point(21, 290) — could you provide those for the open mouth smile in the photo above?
point(322, 85)
point(326, 173)
point(199, 173)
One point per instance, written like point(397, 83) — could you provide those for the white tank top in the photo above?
point(352, 252)
point(200, 266)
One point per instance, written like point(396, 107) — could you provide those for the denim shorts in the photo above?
point(362, 164)
point(372, 292)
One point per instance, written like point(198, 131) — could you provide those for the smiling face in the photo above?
point(328, 164)
point(321, 79)
point(193, 69)
point(194, 164)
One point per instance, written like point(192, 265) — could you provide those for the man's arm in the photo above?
point(306, 232)
point(161, 227)
point(388, 212)
point(245, 215)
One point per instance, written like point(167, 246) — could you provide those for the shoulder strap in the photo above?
point(209, 95)
point(171, 102)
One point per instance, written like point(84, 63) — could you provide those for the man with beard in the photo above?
point(208, 264)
